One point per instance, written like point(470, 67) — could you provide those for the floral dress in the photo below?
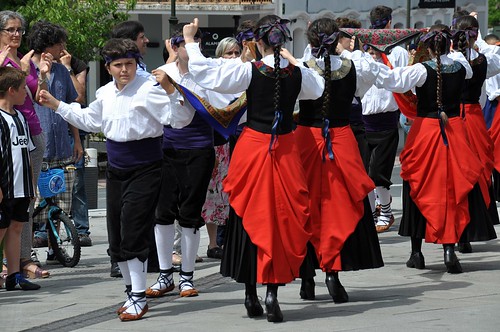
point(216, 207)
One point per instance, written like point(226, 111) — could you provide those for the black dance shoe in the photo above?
point(464, 247)
point(273, 310)
point(451, 260)
point(416, 261)
point(307, 289)
point(336, 290)
point(252, 304)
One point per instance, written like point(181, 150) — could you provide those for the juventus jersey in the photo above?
point(15, 145)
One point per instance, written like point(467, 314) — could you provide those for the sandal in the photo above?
point(32, 271)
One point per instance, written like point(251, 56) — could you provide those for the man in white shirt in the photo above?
point(381, 117)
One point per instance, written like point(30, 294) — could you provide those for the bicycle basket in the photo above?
point(51, 182)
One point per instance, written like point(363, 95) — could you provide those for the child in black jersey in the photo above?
point(16, 181)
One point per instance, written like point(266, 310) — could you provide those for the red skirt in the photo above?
point(269, 192)
point(337, 189)
point(482, 144)
point(495, 136)
point(440, 177)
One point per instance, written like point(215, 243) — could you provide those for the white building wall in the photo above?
point(300, 12)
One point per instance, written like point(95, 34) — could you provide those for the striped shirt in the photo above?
point(15, 145)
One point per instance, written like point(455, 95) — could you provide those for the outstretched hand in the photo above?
point(164, 80)
point(46, 99)
point(189, 31)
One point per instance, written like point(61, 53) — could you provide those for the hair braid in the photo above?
point(462, 45)
point(327, 74)
point(439, 85)
point(439, 100)
point(277, 86)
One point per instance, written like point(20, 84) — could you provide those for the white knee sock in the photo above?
point(164, 235)
point(371, 198)
point(125, 272)
point(190, 242)
point(138, 273)
point(384, 195)
point(385, 204)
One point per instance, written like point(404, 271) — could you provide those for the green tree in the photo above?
point(493, 13)
point(12, 4)
point(88, 22)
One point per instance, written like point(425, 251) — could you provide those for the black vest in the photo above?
point(453, 82)
point(473, 86)
point(342, 89)
point(260, 99)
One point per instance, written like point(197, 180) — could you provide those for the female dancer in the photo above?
point(265, 181)
point(343, 232)
point(439, 169)
point(483, 66)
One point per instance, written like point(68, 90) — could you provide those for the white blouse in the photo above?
point(366, 71)
point(138, 111)
point(234, 76)
point(378, 99)
point(403, 79)
point(492, 59)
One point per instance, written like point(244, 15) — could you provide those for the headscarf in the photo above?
point(431, 36)
point(244, 35)
point(381, 23)
point(469, 32)
point(325, 42)
point(277, 32)
point(129, 55)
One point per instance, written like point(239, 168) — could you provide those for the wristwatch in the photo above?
point(70, 71)
point(42, 80)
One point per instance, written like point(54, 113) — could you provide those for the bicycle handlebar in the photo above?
point(66, 165)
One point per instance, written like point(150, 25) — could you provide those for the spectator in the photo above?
point(10, 56)
point(78, 71)
point(216, 208)
point(48, 40)
point(16, 181)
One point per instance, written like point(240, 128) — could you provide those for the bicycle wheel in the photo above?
point(66, 244)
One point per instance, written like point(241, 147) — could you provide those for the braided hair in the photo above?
point(320, 30)
point(272, 31)
point(439, 44)
point(465, 28)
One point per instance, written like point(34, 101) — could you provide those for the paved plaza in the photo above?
point(392, 298)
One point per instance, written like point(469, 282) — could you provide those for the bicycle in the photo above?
point(61, 230)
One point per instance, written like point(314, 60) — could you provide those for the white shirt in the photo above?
point(366, 69)
point(402, 79)
point(136, 112)
point(233, 76)
point(492, 84)
point(380, 100)
point(492, 59)
point(187, 80)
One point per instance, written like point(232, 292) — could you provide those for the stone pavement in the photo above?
point(392, 298)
